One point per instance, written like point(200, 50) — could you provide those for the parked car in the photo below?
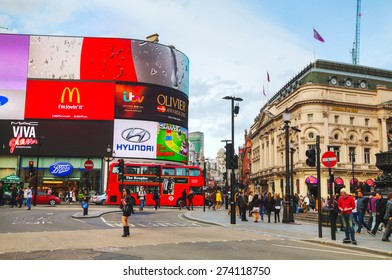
point(44, 198)
point(99, 198)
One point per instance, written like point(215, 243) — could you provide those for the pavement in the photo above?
point(299, 230)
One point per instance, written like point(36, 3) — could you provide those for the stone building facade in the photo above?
point(348, 106)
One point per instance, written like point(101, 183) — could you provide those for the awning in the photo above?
point(11, 179)
point(370, 182)
point(354, 180)
point(339, 181)
point(311, 180)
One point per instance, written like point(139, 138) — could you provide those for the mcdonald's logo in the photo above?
point(70, 94)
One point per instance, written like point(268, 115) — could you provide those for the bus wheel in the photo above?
point(179, 202)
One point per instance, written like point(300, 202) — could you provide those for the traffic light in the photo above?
point(311, 157)
point(120, 168)
point(229, 155)
point(224, 175)
point(31, 168)
point(234, 162)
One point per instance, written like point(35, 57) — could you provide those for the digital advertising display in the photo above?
point(153, 103)
point(14, 59)
point(12, 104)
point(161, 65)
point(172, 143)
point(69, 100)
point(75, 96)
point(57, 137)
point(135, 139)
point(52, 57)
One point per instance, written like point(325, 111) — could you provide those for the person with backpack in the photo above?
point(190, 199)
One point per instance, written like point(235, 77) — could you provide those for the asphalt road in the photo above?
point(155, 235)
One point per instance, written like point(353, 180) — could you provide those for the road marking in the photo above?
point(326, 251)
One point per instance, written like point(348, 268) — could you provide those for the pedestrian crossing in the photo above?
point(161, 224)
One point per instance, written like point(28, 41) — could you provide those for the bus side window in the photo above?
point(181, 171)
point(196, 190)
point(168, 171)
point(144, 170)
point(194, 172)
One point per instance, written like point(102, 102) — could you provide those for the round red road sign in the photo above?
point(89, 165)
point(329, 159)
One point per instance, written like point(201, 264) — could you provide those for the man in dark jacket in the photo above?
point(388, 218)
point(381, 205)
point(362, 205)
point(244, 206)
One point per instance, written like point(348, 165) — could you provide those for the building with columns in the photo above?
point(348, 106)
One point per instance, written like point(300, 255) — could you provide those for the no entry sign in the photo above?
point(89, 165)
point(329, 159)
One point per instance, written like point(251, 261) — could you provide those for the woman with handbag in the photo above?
point(126, 207)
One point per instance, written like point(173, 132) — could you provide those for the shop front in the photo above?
point(61, 175)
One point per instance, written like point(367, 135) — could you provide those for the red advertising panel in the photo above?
point(107, 59)
point(69, 100)
point(154, 103)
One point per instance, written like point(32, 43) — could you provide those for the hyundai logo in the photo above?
point(136, 135)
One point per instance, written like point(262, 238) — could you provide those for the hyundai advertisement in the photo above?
point(135, 139)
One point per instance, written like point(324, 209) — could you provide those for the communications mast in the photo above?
point(355, 50)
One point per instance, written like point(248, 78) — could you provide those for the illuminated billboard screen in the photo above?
point(135, 139)
point(69, 100)
point(58, 138)
point(172, 143)
point(153, 103)
point(110, 59)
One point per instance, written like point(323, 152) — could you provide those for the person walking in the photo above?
point(20, 198)
point(334, 210)
point(277, 207)
point(14, 194)
point(372, 210)
point(255, 204)
point(381, 205)
point(362, 205)
point(250, 199)
point(190, 199)
point(29, 197)
point(1, 194)
point(388, 218)
point(244, 206)
point(156, 198)
point(346, 205)
point(218, 198)
point(126, 207)
point(183, 199)
point(269, 204)
point(142, 198)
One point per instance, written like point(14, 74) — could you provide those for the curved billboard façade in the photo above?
point(79, 92)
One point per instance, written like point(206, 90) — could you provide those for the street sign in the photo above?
point(329, 159)
point(89, 165)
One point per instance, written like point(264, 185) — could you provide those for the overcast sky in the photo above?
point(231, 44)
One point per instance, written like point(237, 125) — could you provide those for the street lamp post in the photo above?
point(36, 173)
point(227, 180)
point(234, 110)
point(292, 151)
point(110, 156)
point(352, 157)
point(288, 216)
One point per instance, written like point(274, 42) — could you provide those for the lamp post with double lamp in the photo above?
point(110, 155)
point(234, 111)
point(288, 215)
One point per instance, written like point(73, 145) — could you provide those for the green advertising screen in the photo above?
point(172, 143)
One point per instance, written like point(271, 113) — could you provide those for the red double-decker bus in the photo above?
point(170, 183)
